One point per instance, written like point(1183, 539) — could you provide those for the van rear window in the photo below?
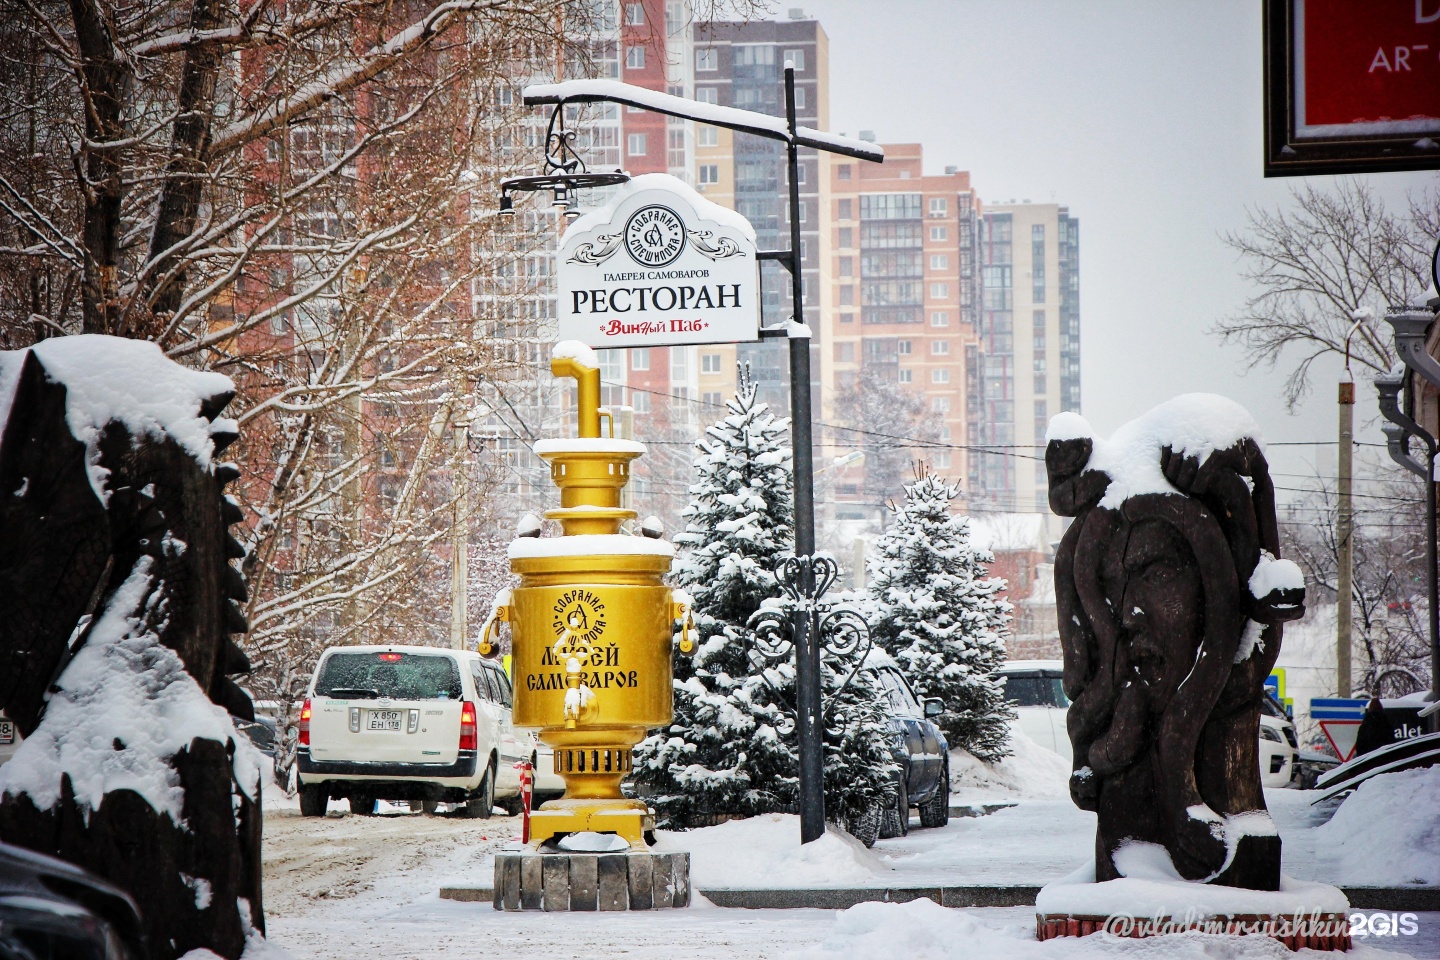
point(399, 676)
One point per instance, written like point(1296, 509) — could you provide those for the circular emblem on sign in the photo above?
point(654, 236)
point(579, 617)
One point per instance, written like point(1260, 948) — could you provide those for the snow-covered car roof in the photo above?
point(1015, 666)
point(396, 648)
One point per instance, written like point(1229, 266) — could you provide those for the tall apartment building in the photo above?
point(645, 43)
point(1026, 365)
point(904, 298)
point(743, 65)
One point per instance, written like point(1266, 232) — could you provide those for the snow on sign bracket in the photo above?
point(659, 266)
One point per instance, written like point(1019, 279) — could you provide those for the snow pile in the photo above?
point(124, 707)
point(1031, 772)
point(1272, 574)
point(581, 353)
point(1192, 424)
point(924, 930)
point(765, 852)
point(603, 445)
point(132, 381)
point(587, 841)
point(1150, 886)
point(1387, 833)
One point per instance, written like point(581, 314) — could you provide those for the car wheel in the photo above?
point(513, 806)
point(935, 812)
point(429, 807)
point(479, 807)
point(363, 806)
point(896, 820)
point(314, 799)
point(866, 827)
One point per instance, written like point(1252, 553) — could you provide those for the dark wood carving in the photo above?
point(63, 552)
point(1153, 601)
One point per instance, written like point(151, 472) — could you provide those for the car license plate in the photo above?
point(384, 720)
point(7, 731)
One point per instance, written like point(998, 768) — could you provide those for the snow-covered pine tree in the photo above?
point(935, 609)
point(724, 751)
point(731, 747)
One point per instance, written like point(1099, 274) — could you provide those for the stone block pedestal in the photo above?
point(634, 880)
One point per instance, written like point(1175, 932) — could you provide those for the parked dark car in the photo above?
point(920, 750)
point(53, 910)
point(260, 732)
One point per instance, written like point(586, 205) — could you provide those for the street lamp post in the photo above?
point(804, 576)
point(1411, 326)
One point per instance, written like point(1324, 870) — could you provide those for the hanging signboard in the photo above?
point(1351, 86)
point(659, 266)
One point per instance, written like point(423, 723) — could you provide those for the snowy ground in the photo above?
point(346, 886)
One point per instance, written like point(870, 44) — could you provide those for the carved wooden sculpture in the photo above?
point(115, 577)
point(1170, 602)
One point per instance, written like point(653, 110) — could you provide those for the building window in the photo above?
point(847, 237)
point(940, 375)
point(713, 399)
point(800, 178)
point(640, 401)
point(640, 358)
point(847, 266)
point(796, 59)
point(707, 95)
point(846, 212)
point(843, 171)
point(903, 347)
point(939, 347)
point(1040, 386)
point(635, 144)
point(939, 291)
point(845, 351)
point(799, 98)
point(940, 319)
point(847, 295)
point(937, 206)
point(939, 233)
point(907, 376)
point(940, 404)
point(709, 173)
point(635, 14)
point(1037, 262)
point(708, 136)
point(938, 261)
point(710, 363)
point(707, 58)
point(847, 317)
point(942, 460)
point(635, 58)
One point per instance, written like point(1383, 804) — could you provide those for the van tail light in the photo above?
point(468, 738)
point(304, 724)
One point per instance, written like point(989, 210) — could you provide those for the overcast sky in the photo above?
point(1144, 117)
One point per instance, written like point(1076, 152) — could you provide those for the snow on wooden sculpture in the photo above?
point(1170, 600)
point(115, 654)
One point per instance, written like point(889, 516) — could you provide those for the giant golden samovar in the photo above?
point(591, 625)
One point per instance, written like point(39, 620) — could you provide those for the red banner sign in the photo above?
point(1352, 86)
point(1370, 66)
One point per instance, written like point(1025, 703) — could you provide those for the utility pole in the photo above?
point(1345, 541)
point(460, 524)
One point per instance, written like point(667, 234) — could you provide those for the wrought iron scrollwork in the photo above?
point(565, 169)
point(840, 630)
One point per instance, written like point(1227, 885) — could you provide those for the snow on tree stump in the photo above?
point(559, 881)
point(115, 647)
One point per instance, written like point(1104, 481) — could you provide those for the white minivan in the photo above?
point(421, 724)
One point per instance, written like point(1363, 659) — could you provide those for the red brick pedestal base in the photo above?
point(1316, 931)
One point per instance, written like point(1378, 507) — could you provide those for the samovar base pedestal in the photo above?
point(630, 819)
